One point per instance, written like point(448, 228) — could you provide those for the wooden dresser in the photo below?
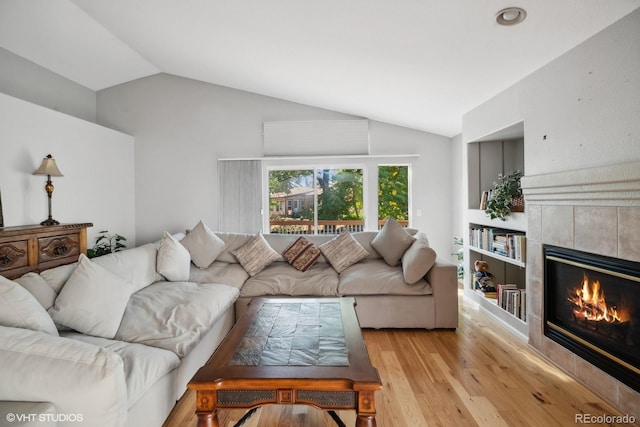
point(37, 247)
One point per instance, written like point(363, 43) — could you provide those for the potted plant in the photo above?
point(106, 243)
point(458, 241)
point(506, 196)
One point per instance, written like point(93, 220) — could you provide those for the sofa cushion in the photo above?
point(143, 365)
point(20, 309)
point(418, 259)
point(255, 255)
point(174, 260)
point(39, 288)
point(280, 279)
point(203, 245)
point(220, 272)
point(174, 315)
point(78, 378)
point(302, 254)
point(376, 277)
point(343, 251)
point(46, 414)
point(56, 277)
point(136, 265)
point(93, 300)
point(392, 241)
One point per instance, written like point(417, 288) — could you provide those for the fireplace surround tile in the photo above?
point(629, 233)
point(594, 378)
point(596, 229)
point(557, 225)
point(628, 399)
point(535, 278)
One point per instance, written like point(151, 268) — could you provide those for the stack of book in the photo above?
point(512, 300)
point(507, 243)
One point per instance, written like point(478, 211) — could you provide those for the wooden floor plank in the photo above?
point(477, 375)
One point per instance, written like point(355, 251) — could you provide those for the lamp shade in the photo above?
point(48, 167)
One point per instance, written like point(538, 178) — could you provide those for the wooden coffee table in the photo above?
point(306, 351)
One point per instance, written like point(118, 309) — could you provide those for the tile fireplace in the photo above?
point(592, 214)
point(592, 308)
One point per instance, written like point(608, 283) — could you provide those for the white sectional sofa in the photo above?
point(164, 333)
point(113, 341)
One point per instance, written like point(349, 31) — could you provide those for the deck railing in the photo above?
point(305, 226)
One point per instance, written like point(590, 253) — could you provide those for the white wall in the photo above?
point(587, 103)
point(97, 164)
point(182, 127)
point(26, 80)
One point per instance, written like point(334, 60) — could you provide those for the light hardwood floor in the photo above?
point(477, 375)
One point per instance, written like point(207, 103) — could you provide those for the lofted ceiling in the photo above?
point(415, 63)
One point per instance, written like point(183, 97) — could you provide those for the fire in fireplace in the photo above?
point(592, 307)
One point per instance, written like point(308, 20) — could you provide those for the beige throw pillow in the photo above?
point(20, 309)
point(392, 241)
point(255, 255)
point(343, 251)
point(92, 301)
point(174, 260)
point(418, 260)
point(203, 245)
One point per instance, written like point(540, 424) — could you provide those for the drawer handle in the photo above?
point(58, 248)
point(9, 254)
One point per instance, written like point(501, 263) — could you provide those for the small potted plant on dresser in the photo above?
point(506, 196)
point(106, 243)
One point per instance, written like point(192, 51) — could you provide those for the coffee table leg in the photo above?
point(366, 414)
point(206, 409)
point(208, 419)
point(366, 421)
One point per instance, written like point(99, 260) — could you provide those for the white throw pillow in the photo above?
point(418, 259)
point(20, 309)
point(39, 288)
point(392, 241)
point(343, 251)
point(92, 301)
point(255, 255)
point(174, 260)
point(203, 245)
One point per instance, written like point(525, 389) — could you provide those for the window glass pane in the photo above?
point(340, 200)
point(293, 195)
point(393, 194)
point(291, 201)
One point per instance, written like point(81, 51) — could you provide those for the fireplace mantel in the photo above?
point(616, 185)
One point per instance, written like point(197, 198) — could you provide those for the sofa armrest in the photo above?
point(443, 278)
point(82, 380)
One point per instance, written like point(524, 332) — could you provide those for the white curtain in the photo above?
point(240, 195)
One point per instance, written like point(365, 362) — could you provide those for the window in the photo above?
point(326, 199)
point(319, 201)
point(393, 193)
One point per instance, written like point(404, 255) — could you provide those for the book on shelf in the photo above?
point(506, 243)
point(489, 294)
point(512, 300)
point(483, 200)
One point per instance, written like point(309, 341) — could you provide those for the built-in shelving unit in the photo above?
point(501, 152)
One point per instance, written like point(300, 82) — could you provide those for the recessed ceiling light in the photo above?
point(511, 16)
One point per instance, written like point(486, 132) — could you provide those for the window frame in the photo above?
point(370, 184)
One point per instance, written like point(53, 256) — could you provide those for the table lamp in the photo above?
point(49, 168)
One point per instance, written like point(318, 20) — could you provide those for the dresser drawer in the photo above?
point(28, 248)
point(58, 247)
point(14, 255)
